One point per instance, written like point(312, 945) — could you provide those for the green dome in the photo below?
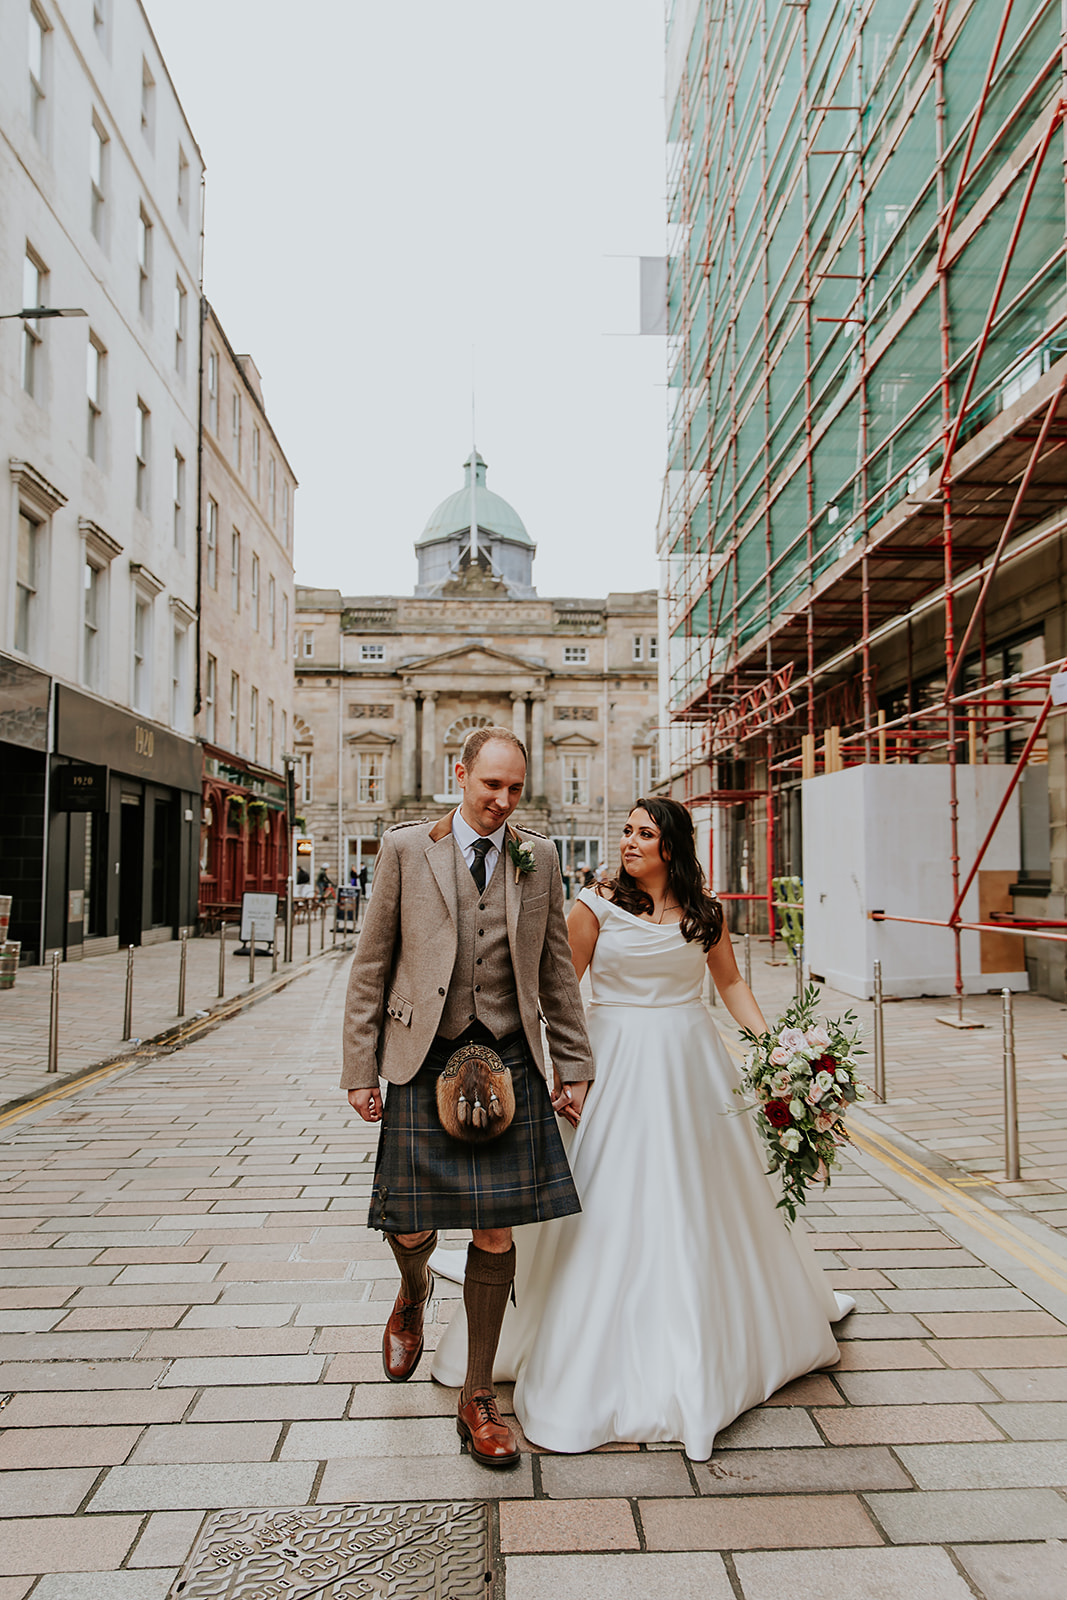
point(494, 514)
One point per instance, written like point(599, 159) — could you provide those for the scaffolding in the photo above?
point(867, 361)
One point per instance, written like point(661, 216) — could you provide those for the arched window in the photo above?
point(453, 744)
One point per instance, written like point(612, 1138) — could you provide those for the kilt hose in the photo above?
point(423, 1178)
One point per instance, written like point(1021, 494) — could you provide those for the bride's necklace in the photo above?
point(668, 905)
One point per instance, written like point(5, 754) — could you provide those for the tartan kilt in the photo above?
point(423, 1178)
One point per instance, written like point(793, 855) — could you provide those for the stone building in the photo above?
point(101, 181)
point(245, 669)
point(388, 686)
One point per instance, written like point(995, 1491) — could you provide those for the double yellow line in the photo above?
point(992, 1225)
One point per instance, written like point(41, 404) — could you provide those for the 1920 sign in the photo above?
point(80, 788)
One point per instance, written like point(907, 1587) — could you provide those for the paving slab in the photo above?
point(66, 1544)
point(1030, 1419)
point(214, 1371)
point(618, 1577)
point(1020, 1383)
point(270, 1402)
point(916, 1424)
point(758, 1522)
point(96, 1408)
point(128, 1585)
point(44, 1492)
point(402, 1436)
point(627, 1473)
point(914, 1388)
point(857, 1468)
point(190, 1442)
point(1016, 1571)
point(861, 1574)
point(207, 1486)
point(953, 1515)
point(166, 1539)
point(567, 1525)
point(1030, 1464)
point(420, 1478)
point(65, 1447)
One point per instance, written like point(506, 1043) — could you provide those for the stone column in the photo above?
point(430, 773)
point(537, 746)
point(408, 742)
point(518, 714)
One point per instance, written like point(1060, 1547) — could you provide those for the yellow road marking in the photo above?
point(1030, 1253)
point(992, 1225)
point(110, 1068)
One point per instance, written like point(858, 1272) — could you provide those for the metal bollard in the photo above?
point(53, 1017)
point(274, 948)
point(879, 1035)
point(1011, 1099)
point(252, 955)
point(222, 959)
point(798, 951)
point(127, 1015)
point(322, 931)
point(310, 921)
point(333, 942)
point(289, 908)
point(748, 959)
point(181, 973)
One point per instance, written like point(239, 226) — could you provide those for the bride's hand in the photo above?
point(568, 1100)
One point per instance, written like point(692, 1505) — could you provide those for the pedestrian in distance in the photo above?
point(463, 948)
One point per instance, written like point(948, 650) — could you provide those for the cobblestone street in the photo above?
point(191, 1313)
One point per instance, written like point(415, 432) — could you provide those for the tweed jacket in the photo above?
point(407, 949)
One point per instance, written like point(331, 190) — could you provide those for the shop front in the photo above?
point(124, 802)
point(244, 835)
point(24, 697)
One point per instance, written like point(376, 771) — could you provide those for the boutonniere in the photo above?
point(522, 858)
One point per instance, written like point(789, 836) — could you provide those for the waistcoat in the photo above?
point(482, 985)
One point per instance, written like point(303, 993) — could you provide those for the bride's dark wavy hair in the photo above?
point(701, 913)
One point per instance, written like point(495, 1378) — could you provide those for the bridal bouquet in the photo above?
point(800, 1078)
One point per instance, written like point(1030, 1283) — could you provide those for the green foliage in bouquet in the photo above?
point(800, 1079)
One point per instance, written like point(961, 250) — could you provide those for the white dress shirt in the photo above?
point(465, 837)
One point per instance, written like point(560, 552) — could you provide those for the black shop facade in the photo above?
point(123, 830)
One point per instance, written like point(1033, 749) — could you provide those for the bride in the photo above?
point(678, 1298)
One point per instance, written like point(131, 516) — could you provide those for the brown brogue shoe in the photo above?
point(485, 1433)
point(403, 1339)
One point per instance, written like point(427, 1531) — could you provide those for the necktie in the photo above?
point(481, 848)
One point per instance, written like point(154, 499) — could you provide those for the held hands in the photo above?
point(368, 1103)
point(568, 1099)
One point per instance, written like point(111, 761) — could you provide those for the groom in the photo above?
point(462, 942)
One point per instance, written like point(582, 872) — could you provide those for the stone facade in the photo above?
point(388, 686)
point(101, 179)
point(245, 676)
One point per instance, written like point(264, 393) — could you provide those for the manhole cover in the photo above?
point(341, 1553)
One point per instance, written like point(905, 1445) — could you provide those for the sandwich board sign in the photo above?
point(260, 910)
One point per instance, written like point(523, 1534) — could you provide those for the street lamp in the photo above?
point(31, 313)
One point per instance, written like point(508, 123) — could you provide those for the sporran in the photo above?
point(475, 1094)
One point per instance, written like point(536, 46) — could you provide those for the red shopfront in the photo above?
point(244, 837)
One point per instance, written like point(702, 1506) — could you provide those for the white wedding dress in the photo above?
point(678, 1298)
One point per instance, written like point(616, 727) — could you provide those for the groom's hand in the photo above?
point(568, 1100)
point(368, 1103)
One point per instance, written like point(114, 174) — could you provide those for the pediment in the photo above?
point(480, 659)
point(573, 741)
point(369, 738)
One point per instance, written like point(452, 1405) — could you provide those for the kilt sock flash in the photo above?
point(412, 1259)
point(486, 1288)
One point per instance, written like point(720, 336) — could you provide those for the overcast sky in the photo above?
point(391, 183)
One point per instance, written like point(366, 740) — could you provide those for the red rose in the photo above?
point(825, 1064)
point(777, 1113)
